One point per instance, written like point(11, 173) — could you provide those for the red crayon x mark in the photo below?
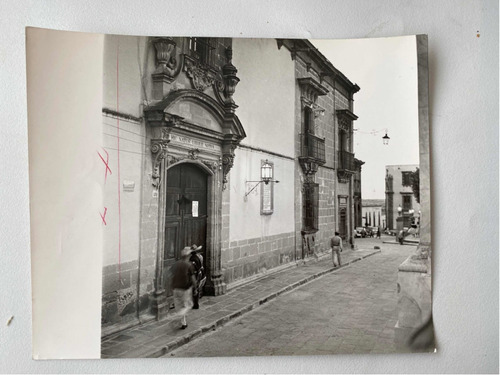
point(103, 217)
point(106, 163)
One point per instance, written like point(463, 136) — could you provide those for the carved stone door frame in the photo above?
point(175, 141)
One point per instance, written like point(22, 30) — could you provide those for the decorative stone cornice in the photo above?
point(120, 115)
point(309, 167)
point(358, 163)
point(347, 114)
point(345, 118)
point(344, 175)
point(159, 118)
point(311, 89)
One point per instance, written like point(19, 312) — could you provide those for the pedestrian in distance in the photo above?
point(336, 245)
point(401, 236)
point(183, 282)
point(378, 232)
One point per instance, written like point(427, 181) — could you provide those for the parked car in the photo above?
point(359, 232)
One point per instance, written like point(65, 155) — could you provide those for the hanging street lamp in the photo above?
point(385, 139)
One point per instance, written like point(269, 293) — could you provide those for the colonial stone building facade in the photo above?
point(188, 124)
point(400, 203)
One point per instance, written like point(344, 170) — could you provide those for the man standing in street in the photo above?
point(336, 245)
point(183, 282)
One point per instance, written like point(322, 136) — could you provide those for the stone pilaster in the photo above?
point(215, 281)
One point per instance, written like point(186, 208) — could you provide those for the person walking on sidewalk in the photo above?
point(183, 282)
point(336, 245)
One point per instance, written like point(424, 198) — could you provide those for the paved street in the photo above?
point(352, 310)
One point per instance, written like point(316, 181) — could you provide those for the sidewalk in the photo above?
point(412, 241)
point(156, 338)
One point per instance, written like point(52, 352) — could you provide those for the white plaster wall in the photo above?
point(127, 56)
point(245, 220)
point(265, 94)
point(464, 135)
point(123, 208)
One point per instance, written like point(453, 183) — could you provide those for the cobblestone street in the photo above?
point(352, 310)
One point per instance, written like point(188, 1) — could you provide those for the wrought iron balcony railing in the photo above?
point(346, 161)
point(313, 147)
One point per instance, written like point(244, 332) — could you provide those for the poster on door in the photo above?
point(194, 208)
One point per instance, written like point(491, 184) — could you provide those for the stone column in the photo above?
point(414, 274)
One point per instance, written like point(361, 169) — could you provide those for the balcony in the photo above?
point(312, 154)
point(313, 147)
point(346, 161)
point(345, 166)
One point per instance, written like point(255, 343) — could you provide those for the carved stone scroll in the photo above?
point(159, 148)
point(227, 161)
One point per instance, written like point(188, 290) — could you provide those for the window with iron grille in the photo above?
point(202, 50)
point(311, 207)
point(406, 177)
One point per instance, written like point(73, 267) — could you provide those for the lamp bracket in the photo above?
point(257, 183)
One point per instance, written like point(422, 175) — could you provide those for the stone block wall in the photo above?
point(325, 177)
point(123, 294)
point(254, 256)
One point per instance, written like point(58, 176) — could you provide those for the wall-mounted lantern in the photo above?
point(266, 172)
point(400, 210)
point(266, 176)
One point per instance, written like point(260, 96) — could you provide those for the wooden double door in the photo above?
point(186, 211)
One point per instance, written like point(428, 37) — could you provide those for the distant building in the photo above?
point(373, 213)
point(401, 206)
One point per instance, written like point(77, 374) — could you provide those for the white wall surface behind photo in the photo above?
point(463, 65)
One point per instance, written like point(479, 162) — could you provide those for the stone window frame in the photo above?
point(263, 186)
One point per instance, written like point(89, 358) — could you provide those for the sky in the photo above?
point(386, 71)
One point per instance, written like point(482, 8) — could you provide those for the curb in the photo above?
point(225, 319)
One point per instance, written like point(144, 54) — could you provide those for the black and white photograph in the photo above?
point(287, 187)
point(262, 197)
